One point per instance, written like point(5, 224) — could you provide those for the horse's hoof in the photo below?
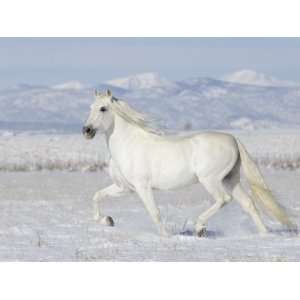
point(108, 221)
point(201, 232)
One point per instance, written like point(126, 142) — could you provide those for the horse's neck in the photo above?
point(121, 134)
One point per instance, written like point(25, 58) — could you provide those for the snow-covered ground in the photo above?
point(46, 210)
point(47, 216)
point(31, 151)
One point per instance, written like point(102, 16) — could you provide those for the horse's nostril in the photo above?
point(86, 129)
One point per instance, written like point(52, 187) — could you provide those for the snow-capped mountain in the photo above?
point(195, 103)
point(254, 78)
point(70, 85)
point(142, 81)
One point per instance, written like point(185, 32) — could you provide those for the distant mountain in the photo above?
point(255, 78)
point(142, 81)
point(70, 85)
point(195, 103)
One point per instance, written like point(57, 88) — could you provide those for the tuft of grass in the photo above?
point(57, 165)
point(91, 164)
point(284, 162)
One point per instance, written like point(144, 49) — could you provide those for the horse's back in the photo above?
point(215, 138)
point(201, 135)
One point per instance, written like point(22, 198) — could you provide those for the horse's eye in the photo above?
point(103, 109)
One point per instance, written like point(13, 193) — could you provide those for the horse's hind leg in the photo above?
point(248, 205)
point(232, 182)
point(219, 193)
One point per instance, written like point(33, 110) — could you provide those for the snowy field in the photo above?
point(47, 183)
point(30, 151)
point(47, 216)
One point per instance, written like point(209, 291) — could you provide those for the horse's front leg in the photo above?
point(110, 191)
point(146, 194)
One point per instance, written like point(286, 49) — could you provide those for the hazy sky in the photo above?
point(92, 60)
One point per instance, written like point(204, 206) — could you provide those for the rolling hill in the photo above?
point(242, 100)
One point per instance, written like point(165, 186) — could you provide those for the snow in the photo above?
point(141, 81)
point(69, 85)
point(47, 185)
point(71, 152)
point(30, 152)
point(254, 78)
point(242, 123)
point(47, 216)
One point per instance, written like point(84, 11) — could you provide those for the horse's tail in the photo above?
point(260, 190)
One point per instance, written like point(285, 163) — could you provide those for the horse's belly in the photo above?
point(173, 178)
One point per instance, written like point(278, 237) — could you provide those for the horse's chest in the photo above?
point(118, 176)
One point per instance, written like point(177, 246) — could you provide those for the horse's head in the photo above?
point(101, 115)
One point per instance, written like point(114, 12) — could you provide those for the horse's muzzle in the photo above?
point(88, 131)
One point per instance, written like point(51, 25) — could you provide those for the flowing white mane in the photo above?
point(127, 113)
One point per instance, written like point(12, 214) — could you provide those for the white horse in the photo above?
point(143, 159)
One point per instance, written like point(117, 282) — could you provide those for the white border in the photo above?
point(149, 281)
point(149, 18)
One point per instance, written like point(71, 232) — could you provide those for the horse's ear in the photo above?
point(109, 93)
point(96, 92)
